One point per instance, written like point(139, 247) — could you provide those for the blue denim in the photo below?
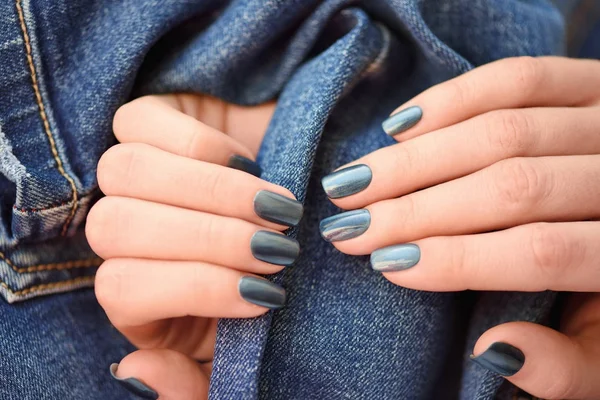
point(338, 68)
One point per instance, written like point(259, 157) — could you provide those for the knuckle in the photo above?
point(99, 226)
point(461, 92)
point(117, 168)
point(197, 143)
point(209, 294)
point(108, 284)
point(125, 114)
point(517, 184)
point(208, 234)
point(552, 252)
point(407, 215)
point(405, 157)
point(457, 260)
point(529, 73)
point(213, 184)
point(510, 131)
point(565, 385)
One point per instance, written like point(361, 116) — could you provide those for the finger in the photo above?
point(534, 257)
point(509, 193)
point(541, 361)
point(464, 148)
point(158, 121)
point(161, 373)
point(135, 292)
point(122, 227)
point(147, 173)
point(509, 83)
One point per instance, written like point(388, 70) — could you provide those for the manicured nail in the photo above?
point(501, 358)
point(274, 248)
point(134, 385)
point(244, 164)
point(345, 226)
point(276, 208)
point(347, 181)
point(402, 121)
point(395, 258)
point(262, 292)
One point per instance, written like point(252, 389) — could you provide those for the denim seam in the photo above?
point(87, 263)
point(46, 286)
point(43, 115)
point(53, 206)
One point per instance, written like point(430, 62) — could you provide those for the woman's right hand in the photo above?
point(184, 231)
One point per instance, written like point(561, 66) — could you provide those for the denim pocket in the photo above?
point(42, 202)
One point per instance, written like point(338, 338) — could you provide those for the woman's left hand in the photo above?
point(495, 185)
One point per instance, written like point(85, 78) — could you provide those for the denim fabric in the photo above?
point(338, 68)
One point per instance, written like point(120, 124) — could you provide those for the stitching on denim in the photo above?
point(44, 116)
point(34, 210)
point(47, 286)
point(91, 192)
point(87, 263)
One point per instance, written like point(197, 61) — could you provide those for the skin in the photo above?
point(167, 279)
point(516, 141)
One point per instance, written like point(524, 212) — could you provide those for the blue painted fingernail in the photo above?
point(276, 208)
point(244, 164)
point(501, 358)
point(345, 226)
point(262, 292)
point(347, 181)
point(402, 121)
point(395, 258)
point(134, 385)
point(274, 248)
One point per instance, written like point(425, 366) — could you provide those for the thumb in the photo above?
point(162, 374)
point(542, 361)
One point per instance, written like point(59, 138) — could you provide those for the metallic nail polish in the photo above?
point(347, 181)
point(274, 248)
point(276, 208)
point(134, 385)
point(395, 258)
point(402, 120)
point(244, 164)
point(262, 292)
point(501, 358)
point(345, 226)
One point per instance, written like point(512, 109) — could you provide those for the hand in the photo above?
point(183, 235)
point(495, 185)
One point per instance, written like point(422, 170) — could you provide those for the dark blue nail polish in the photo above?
point(345, 226)
point(133, 385)
point(395, 258)
point(276, 208)
point(274, 248)
point(244, 164)
point(402, 121)
point(501, 358)
point(347, 181)
point(262, 292)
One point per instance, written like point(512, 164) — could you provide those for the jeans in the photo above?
point(338, 68)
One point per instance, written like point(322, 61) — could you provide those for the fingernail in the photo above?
point(262, 292)
point(347, 181)
point(276, 208)
point(501, 358)
point(402, 121)
point(134, 385)
point(244, 164)
point(274, 248)
point(345, 226)
point(395, 258)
